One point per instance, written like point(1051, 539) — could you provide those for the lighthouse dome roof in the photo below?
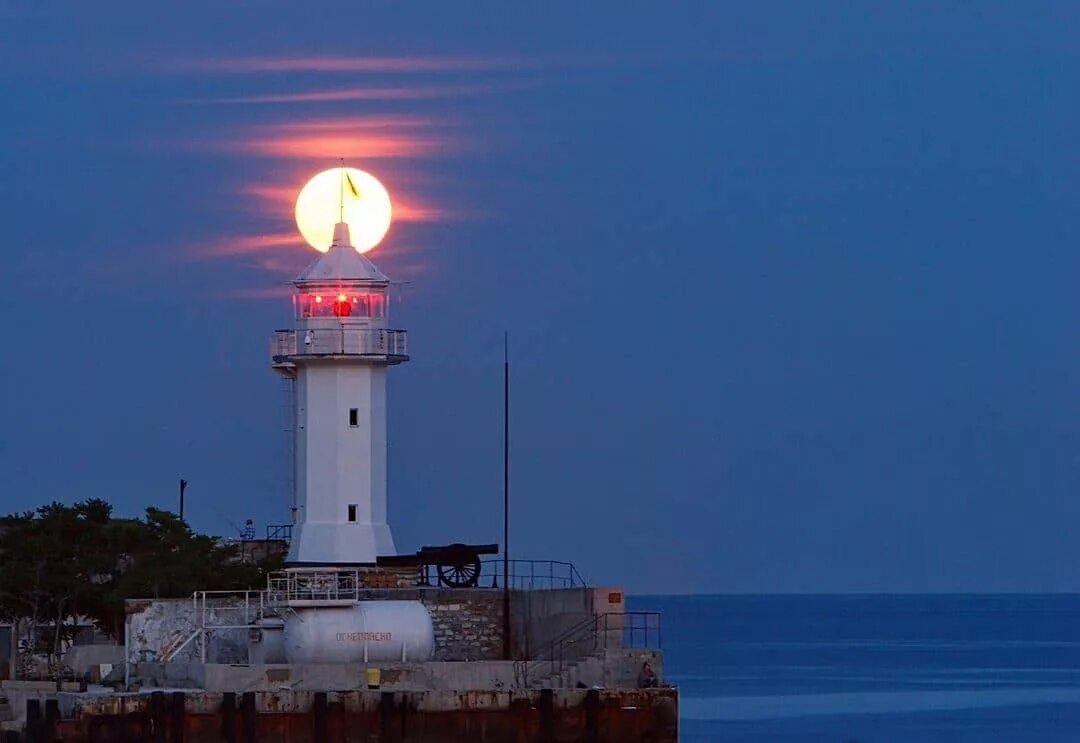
point(341, 263)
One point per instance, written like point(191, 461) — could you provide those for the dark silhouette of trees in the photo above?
point(59, 563)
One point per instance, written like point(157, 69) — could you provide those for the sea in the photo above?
point(873, 669)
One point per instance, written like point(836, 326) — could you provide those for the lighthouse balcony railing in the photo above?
point(370, 342)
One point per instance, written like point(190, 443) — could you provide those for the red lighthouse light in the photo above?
point(342, 308)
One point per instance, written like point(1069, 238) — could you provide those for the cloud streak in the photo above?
point(254, 65)
point(281, 198)
point(343, 145)
point(296, 139)
point(353, 138)
point(250, 244)
point(375, 93)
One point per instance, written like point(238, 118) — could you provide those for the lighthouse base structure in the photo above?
point(340, 463)
point(329, 544)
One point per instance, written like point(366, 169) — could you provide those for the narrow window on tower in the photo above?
point(352, 512)
point(354, 417)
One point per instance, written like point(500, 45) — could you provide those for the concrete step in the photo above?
point(567, 678)
point(590, 671)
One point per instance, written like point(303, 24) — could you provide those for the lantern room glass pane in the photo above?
point(340, 304)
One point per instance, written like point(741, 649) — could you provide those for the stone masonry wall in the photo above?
point(468, 624)
point(467, 621)
point(382, 577)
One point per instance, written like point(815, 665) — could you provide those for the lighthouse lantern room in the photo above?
point(337, 353)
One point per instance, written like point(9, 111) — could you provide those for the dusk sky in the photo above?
point(790, 286)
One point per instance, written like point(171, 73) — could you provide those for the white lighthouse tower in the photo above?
point(338, 352)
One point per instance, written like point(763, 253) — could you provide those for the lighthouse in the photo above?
point(337, 353)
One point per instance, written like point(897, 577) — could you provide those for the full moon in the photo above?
point(356, 196)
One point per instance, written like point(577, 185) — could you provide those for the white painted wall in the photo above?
point(338, 465)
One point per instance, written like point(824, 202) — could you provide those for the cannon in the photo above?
point(457, 565)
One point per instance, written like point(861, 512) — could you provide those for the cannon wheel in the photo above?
point(462, 573)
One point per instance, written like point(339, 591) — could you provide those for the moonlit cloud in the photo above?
point(285, 145)
point(377, 93)
point(280, 198)
point(343, 145)
point(332, 138)
point(282, 251)
point(254, 65)
point(372, 64)
point(275, 253)
point(249, 244)
point(368, 121)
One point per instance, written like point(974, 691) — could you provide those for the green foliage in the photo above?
point(60, 562)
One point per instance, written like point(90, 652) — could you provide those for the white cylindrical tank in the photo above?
point(359, 633)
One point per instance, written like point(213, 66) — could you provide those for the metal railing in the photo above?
point(613, 630)
point(213, 610)
point(531, 575)
point(344, 341)
point(315, 586)
point(640, 630)
point(279, 532)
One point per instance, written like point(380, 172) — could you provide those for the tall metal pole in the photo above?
point(183, 487)
point(506, 497)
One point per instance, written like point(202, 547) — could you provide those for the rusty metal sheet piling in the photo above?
point(518, 716)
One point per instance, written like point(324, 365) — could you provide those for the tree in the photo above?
point(49, 562)
point(60, 563)
point(164, 558)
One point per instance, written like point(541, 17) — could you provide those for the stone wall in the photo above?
point(384, 577)
point(468, 622)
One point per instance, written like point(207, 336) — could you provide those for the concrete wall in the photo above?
point(82, 659)
point(431, 676)
point(468, 622)
point(155, 626)
point(621, 667)
point(181, 674)
point(541, 617)
point(612, 669)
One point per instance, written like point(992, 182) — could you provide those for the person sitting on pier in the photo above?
point(647, 677)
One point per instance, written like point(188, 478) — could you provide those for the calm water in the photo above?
point(961, 669)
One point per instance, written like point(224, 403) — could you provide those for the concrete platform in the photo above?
point(610, 669)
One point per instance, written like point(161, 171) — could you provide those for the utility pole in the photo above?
point(506, 497)
point(183, 487)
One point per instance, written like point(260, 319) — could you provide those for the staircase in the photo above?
point(577, 654)
point(588, 670)
point(178, 640)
